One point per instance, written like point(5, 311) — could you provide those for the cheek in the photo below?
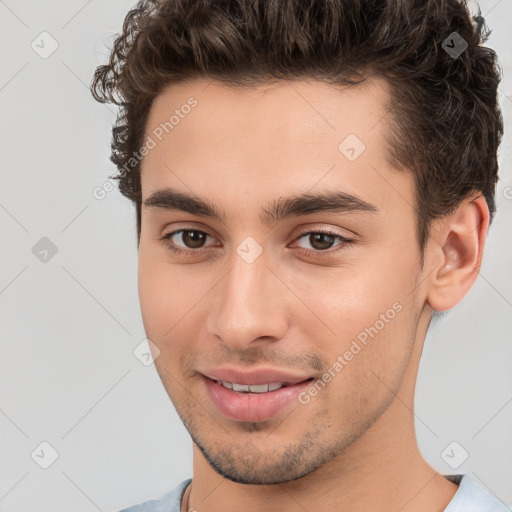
point(168, 294)
point(347, 300)
point(369, 353)
point(159, 293)
point(364, 314)
point(166, 300)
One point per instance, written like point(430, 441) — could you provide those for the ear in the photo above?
point(458, 251)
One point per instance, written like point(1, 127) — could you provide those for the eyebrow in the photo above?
point(278, 209)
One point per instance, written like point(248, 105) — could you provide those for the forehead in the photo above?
point(282, 112)
point(287, 135)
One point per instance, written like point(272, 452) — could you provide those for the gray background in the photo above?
point(69, 325)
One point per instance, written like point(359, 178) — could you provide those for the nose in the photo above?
point(250, 306)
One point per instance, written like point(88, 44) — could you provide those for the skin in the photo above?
point(353, 446)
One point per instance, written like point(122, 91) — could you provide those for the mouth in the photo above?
point(254, 388)
point(253, 402)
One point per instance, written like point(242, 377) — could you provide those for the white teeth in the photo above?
point(258, 388)
point(254, 388)
point(240, 387)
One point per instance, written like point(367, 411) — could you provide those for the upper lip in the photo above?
point(254, 376)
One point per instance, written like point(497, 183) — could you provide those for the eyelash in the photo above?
point(346, 242)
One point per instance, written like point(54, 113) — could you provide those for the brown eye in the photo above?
point(321, 241)
point(193, 239)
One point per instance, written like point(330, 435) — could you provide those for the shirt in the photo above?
point(470, 497)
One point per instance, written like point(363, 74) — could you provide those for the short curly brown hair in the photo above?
point(446, 123)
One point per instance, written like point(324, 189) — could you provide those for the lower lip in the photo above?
point(252, 406)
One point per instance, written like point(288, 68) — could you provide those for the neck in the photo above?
point(382, 470)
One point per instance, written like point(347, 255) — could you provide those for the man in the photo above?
point(313, 181)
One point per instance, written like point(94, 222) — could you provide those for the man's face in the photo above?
point(253, 292)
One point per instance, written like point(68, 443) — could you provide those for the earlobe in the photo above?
point(460, 249)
